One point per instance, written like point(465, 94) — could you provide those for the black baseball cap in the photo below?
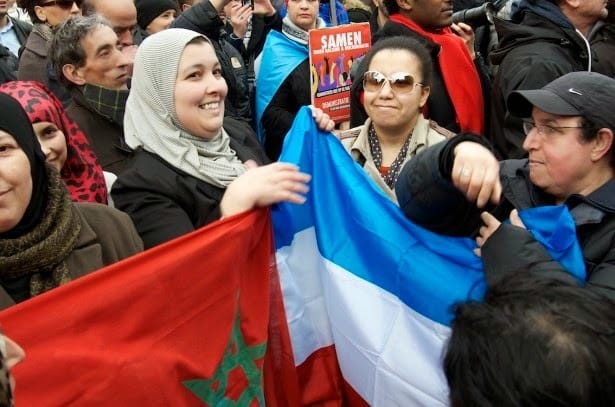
point(587, 94)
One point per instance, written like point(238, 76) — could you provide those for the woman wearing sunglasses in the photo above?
point(33, 63)
point(395, 89)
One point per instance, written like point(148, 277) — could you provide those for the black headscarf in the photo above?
point(14, 121)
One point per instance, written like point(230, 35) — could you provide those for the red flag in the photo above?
point(183, 324)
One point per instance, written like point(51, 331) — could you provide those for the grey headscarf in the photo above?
point(151, 122)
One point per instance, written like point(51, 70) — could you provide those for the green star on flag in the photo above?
point(238, 366)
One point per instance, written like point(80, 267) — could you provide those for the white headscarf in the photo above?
point(151, 122)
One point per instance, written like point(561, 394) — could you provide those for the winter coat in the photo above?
point(603, 45)
point(107, 236)
point(278, 117)
point(34, 65)
point(530, 54)
point(355, 141)
point(105, 136)
point(439, 206)
point(165, 202)
point(8, 65)
point(9, 62)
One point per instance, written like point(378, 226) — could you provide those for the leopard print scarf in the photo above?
point(41, 253)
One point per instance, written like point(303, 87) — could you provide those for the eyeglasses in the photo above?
point(65, 4)
point(545, 129)
point(400, 82)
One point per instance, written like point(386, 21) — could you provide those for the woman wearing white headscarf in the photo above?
point(190, 168)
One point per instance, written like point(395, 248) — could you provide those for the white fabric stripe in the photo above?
point(304, 304)
point(390, 354)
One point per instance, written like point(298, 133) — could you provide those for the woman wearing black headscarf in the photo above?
point(45, 239)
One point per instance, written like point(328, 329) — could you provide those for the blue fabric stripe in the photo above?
point(279, 58)
point(361, 230)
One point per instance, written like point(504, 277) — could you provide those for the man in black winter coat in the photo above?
point(544, 40)
point(458, 187)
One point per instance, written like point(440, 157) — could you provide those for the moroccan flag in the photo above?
point(183, 324)
point(367, 293)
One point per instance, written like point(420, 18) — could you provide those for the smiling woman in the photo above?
point(62, 141)
point(45, 239)
point(395, 88)
point(192, 165)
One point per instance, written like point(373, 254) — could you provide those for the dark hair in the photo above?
point(533, 342)
point(391, 6)
point(66, 43)
point(29, 5)
point(406, 44)
point(589, 132)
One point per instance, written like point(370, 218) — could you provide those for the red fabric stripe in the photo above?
point(130, 334)
point(322, 383)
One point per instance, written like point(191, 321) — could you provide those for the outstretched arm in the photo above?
point(263, 186)
point(442, 187)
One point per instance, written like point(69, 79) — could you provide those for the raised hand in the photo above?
point(476, 173)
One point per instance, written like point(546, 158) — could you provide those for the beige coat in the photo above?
point(425, 134)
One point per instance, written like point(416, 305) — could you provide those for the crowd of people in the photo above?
point(127, 123)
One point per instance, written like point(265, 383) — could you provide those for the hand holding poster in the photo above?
point(333, 51)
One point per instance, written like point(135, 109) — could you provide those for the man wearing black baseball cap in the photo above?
point(586, 94)
point(459, 188)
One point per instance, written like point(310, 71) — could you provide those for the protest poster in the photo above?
point(333, 51)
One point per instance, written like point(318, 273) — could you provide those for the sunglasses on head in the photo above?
point(65, 4)
point(400, 82)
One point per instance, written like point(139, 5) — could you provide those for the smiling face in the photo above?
point(392, 110)
point(53, 143)
point(15, 182)
point(200, 90)
point(431, 14)
point(303, 13)
point(105, 64)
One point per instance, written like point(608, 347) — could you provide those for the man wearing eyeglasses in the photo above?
point(459, 188)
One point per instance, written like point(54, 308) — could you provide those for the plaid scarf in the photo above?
point(109, 103)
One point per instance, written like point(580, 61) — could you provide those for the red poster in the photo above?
point(333, 51)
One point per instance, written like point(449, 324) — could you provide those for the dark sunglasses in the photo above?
point(65, 4)
point(400, 82)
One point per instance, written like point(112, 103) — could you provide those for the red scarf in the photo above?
point(81, 172)
point(459, 74)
